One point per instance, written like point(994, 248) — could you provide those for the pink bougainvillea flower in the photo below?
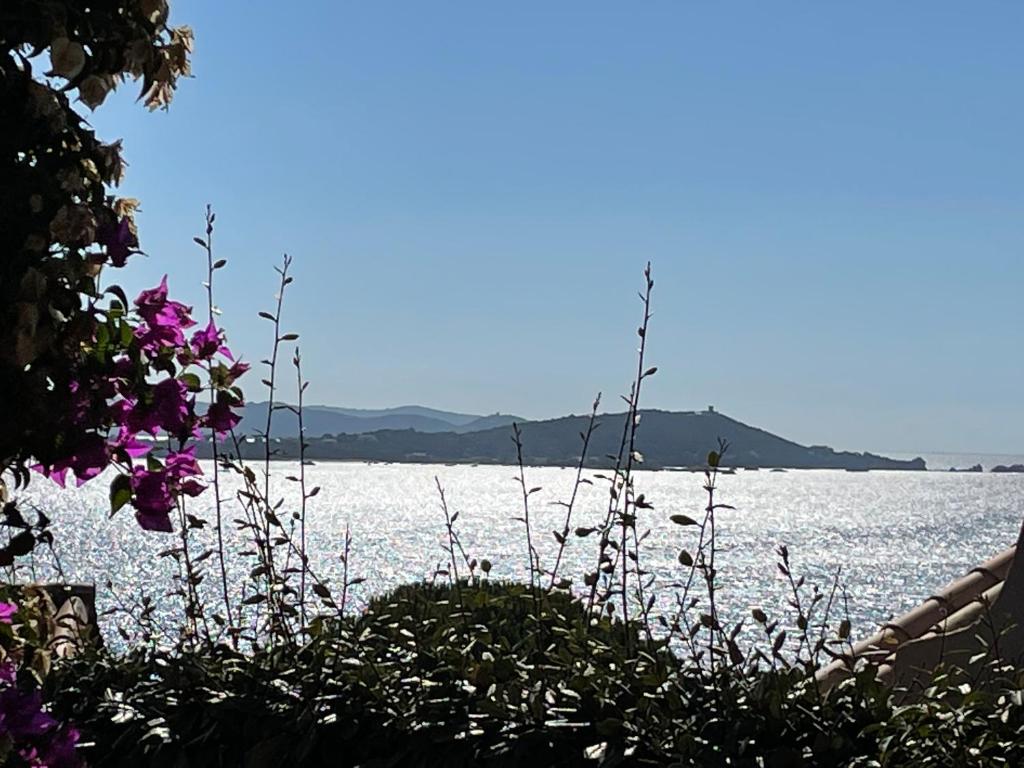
point(91, 458)
point(118, 240)
point(21, 714)
point(7, 611)
point(171, 404)
point(181, 464)
point(58, 472)
point(32, 733)
point(152, 499)
point(182, 468)
point(154, 338)
point(191, 488)
point(154, 521)
point(237, 370)
point(164, 320)
point(220, 418)
point(152, 298)
point(131, 445)
point(60, 752)
point(169, 409)
point(207, 342)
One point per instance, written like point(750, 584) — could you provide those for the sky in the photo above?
point(831, 196)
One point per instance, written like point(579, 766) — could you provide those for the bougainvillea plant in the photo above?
point(29, 734)
point(88, 379)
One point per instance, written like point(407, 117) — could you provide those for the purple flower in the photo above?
point(152, 499)
point(169, 410)
point(153, 521)
point(164, 320)
point(236, 370)
point(130, 444)
point(220, 418)
point(171, 404)
point(153, 338)
point(60, 751)
point(39, 740)
point(7, 611)
point(181, 469)
point(207, 343)
point(118, 240)
point(90, 459)
point(21, 714)
point(182, 464)
point(152, 301)
point(58, 472)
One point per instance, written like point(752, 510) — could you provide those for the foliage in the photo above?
point(29, 734)
point(449, 675)
point(462, 673)
point(88, 379)
point(83, 371)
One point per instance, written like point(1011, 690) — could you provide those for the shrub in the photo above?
point(413, 681)
point(426, 678)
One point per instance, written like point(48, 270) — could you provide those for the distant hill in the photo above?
point(320, 420)
point(449, 417)
point(665, 438)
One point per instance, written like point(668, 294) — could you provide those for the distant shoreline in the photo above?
point(725, 470)
point(666, 439)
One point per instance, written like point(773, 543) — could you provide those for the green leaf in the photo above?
point(120, 492)
point(713, 459)
point(682, 520)
point(191, 382)
point(119, 293)
point(322, 591)
point(685, 558)
point(102, 337)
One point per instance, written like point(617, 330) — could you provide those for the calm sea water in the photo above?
point(896, 536)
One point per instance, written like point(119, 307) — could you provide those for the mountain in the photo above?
point(665, 438)
point(455, 419)
point(320, 420)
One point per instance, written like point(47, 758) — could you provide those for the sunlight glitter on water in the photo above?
point(898, 536)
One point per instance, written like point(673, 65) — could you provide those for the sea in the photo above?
point(885, 539)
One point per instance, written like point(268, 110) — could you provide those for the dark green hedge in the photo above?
point(498, 675)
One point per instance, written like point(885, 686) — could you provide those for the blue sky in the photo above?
point(831, 196)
